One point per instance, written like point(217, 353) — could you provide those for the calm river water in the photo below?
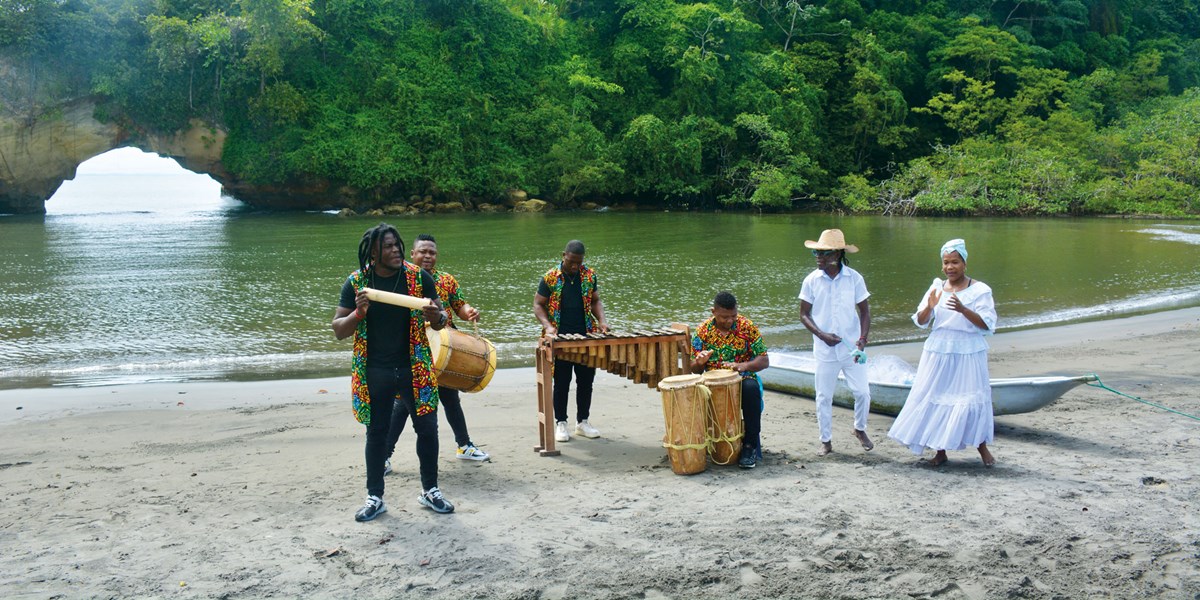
point(139, 279)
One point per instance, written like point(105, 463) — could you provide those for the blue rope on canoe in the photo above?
point(1100, 384)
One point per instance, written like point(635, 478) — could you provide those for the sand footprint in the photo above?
point(749, 576)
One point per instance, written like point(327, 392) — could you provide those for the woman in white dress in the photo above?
point(950, 404)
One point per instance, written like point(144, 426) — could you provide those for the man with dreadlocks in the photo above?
point(568, 301)
point(833, 306)
point(393, 365)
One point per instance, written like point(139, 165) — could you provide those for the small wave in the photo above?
point(1188, 234)
point(513, 354)
point(1126, 307)
point(214, 367)
point(102, 381)
point(102, 213)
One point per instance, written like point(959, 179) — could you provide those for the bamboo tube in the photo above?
point(404, 300)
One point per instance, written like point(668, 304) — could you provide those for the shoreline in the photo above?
point(233, 489)
point(38, 403)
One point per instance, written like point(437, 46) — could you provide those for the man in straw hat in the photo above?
point(833, 306)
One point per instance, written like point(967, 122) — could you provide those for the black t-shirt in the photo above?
point(570, 306)
point(387, 325)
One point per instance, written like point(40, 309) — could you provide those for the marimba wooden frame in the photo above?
point(672, 356)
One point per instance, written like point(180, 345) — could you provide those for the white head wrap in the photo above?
point(955, 245)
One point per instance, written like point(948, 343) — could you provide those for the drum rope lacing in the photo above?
point(487, 356)
point(724, 437)
point(701, 407)
point(711, 424)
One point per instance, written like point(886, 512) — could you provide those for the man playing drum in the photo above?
point(424, 254)
point(727, 340)
point(568, 301)
point(391, 366)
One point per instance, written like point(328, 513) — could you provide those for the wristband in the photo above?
point(359, 314)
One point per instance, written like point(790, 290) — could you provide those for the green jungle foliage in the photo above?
point(1023, 107)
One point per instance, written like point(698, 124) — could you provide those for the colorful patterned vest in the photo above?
point(587, 284)
point(447, 289)
point(425, 390)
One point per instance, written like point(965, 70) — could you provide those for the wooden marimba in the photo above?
point(640, 356)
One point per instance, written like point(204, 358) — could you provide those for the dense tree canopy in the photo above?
point(943, 107)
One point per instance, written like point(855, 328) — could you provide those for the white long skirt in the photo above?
point(949, 406)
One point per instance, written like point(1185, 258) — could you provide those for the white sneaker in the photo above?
point(471, 452)
point(586, 430)
point(560, 432)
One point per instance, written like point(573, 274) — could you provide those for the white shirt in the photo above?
point(952, 332)
point(835, 310)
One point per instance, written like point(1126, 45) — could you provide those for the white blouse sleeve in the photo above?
point(985, 306)
point(937, 284)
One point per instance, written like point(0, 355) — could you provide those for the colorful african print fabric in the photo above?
point(447, 289)
point(425, 390)
point(743, 343)
point(587, 284)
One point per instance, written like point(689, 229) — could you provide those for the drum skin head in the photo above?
point(719, 376)
point(675, 382)
point(439, 346)
point(490, 370)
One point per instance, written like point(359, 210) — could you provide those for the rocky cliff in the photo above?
point(38, 153)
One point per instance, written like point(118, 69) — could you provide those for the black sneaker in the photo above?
point(433, 499)
point(750, 457)
point(373, 508)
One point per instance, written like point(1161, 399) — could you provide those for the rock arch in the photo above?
point(38, 154)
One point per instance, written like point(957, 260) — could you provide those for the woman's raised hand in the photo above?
point(935, 296)
point(955, 304)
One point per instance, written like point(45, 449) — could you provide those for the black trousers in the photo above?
point(751, 412)
point(383, 385)
point(584, 376)
point(450, 404)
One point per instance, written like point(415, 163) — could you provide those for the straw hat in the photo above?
point(831, 239)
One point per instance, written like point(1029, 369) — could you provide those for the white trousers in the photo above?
point(826, 381)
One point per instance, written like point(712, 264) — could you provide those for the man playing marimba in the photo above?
point(728, 340)
point(568, 301)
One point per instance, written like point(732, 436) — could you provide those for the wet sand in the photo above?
point(246, 490)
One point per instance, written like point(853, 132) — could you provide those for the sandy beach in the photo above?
point(247, 490)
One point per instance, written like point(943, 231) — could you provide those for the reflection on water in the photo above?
point(166, 281)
